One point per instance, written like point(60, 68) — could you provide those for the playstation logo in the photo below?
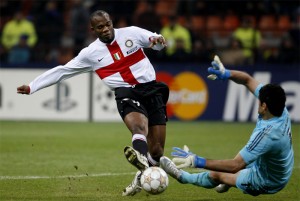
point(62, 101)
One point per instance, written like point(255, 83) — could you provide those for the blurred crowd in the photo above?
point(241, 32)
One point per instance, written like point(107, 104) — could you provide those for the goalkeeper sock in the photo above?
point(199, 179)
point(139, 143)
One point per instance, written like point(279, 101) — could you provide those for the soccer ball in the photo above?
point(154, 180)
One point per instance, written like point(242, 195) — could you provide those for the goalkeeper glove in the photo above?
point(185, 159)
point(218, 71)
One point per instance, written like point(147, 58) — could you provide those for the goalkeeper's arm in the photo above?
point(183, 158)
point(219, 72)
point(244, 78)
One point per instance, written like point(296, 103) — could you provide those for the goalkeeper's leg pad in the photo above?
point(136, 158)
point(134, 187)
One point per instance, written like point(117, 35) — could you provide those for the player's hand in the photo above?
point(218, 71)
point(183, 158)
point(24, 89)
point(155, 40)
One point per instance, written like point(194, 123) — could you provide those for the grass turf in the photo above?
point(84, 161)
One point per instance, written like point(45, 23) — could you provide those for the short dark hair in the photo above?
point(98, 13)
point(274, 97)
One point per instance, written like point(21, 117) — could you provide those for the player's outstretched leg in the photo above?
point(222, 188)
point(170, 168)
point(135, 158)
point(134, 187)
point(199, 179)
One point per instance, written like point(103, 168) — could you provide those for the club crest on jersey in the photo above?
point(129, 43)
point(117, 56)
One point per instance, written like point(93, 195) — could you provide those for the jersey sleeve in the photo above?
point(78, 65)
point(258, 144)
point(144, 37)
point(256, 92)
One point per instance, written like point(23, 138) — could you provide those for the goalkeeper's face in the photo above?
point(103, 28)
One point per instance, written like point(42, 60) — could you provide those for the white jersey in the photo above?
point(122, 63)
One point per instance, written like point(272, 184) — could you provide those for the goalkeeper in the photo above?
point(264, 165)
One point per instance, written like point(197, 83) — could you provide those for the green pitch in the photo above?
point(59, 161)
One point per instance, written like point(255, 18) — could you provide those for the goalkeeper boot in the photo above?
point(135, 186)
point(136, 158)
point(170, 167)
point(222, 188)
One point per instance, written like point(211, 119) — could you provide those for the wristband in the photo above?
point(227, 74)
point(199, 162)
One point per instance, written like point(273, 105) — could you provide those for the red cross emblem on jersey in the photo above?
point(121, 64)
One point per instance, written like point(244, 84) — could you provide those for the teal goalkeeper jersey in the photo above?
point(270, 149)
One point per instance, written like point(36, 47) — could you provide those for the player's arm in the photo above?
point(243, 78)
point(74, 67)
point(148, 39)
point(184, 158)
point(230, 165)
point(46, 79)
point(219, 72)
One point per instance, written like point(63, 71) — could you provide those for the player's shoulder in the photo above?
point(130, 29)
point(95, 45)
point(274, 128)
point(91, 50)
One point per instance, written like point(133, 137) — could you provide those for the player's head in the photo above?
point(102, 25)
point(273, 96)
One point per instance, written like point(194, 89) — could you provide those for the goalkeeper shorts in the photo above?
point(250, 181)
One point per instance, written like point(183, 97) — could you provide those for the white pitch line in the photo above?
point(72, 176)
point(63, 176)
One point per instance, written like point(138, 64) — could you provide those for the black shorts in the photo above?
point(148, 98)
